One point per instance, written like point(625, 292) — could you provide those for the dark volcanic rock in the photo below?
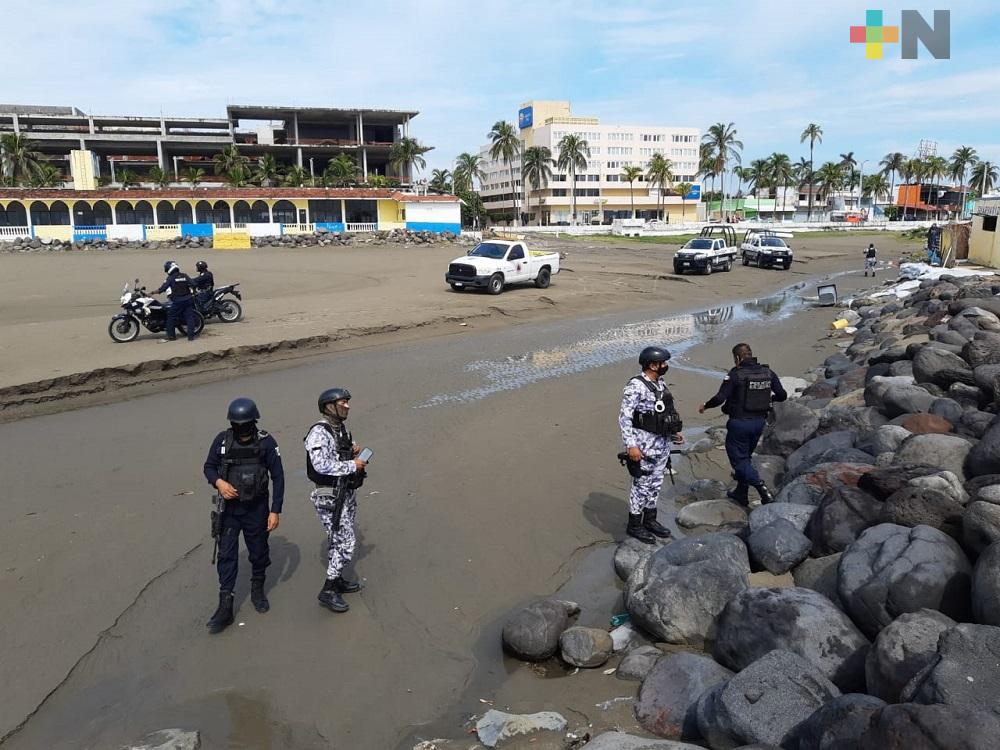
point(965, 672)
point(909, 726)
point(843, 513)
point(533, 633)
point(902, 650)
point(913, 506)
point(839, 724)
point(669, 695)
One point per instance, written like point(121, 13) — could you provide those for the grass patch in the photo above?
point(610, 239)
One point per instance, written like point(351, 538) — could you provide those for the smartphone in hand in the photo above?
point(366, 455)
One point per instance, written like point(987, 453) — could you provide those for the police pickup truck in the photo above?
point(712, 250)
point(766, 249)
point(493, 264)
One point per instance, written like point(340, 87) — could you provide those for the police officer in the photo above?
point(204, 282)
point(181, 301)
point(238, 465)
point(649, 424)
point(332, 464)
point(746, 395)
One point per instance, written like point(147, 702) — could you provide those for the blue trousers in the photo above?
point(182, 307)
point(254, 528)
point(742, 436)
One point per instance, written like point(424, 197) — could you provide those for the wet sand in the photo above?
point(476, 503)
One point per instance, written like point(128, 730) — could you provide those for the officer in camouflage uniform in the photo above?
point(333, 466)
point(649, 424)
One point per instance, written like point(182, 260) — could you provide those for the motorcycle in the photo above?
point(143, 310)
point(211, 303)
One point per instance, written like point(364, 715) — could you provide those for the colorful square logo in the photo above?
point(874, 34)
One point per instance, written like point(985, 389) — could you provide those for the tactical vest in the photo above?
point(664, 419)
point(753, 388)
point(243, 466)
point(180, 286)
point(871, 252)
point(345, 452)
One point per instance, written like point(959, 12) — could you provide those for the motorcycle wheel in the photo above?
point(123, 330)
point(199, 324)
point(230, 311)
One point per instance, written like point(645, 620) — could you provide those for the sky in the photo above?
point(768, 67)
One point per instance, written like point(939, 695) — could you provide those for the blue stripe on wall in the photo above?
point(433, 226)
point(332, 226)
point(196, 230)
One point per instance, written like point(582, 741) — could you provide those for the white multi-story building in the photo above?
point(602, 193)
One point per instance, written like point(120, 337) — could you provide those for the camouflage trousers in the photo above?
point(341, 539)
point(646, 489)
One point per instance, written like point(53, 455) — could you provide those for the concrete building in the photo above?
point(601, 193)
point(305, 136)
point(984, 242)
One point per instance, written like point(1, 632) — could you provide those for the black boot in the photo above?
point(650, 524)
point(223, 616)
point(739, 495)
point(636, 529)
point(765, 493)
point(344, 586)
point(257, 596)
point(330, 598)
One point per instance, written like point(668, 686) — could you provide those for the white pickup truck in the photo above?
point(712, 250)
point(493, 264)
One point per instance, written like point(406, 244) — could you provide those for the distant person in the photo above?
point(178, 288)
point(332, 464)
point(649, 423)
point(238, 465)
point(203, 283)
point(871, 258)
point(746, 395)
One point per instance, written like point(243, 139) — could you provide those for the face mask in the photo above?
point(246, 430)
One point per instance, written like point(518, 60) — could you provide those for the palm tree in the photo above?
point(727, 149)
point(782, 172)
point(18, 158)
point(229, 159)
point(573, 154)
point(848, 164)
point(296, 177)
point(830, 178)
point(892, 164)
point(468, 169)
point(631, 174)
point(159, 177)
point(984, 176)
point(238, 177)
point(875, 186)
point(340, 171)
point(268, 171)
point(194, 175)
point(506, 147)
point(812, 133)
point(536, 169)
point(757, 174)
point(127, 178)
point(706, 164)
point(682, 189)
point(46, 175)
point(937, 168)
point(963, 158)
point(407, 155)
point(660, 174)
point(441, 180)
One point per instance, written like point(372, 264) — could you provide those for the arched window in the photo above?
point(184, 213)
point(124, 212)
point(241, 210)
point(83, 214)
point(143, 213)
point(221, 213)
point(55, 215)
point(259, 213)
point(203, 212)
point(285, 213)
point(59, 214)
point(102, 213)
point(14, 215)
point(39, 214)
point(165, 213)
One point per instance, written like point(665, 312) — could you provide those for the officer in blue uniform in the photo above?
point(746, 395)
point(181, 301)
point(238, 465)
point(203, 283)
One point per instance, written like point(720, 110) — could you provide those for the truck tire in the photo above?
point(496, 284)
point(746, 260)
point(708, 267)
point(787, 265)
point(544, 278)
point(678, 270)
point(727, 266)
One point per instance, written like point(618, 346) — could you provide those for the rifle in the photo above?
point(218, 507)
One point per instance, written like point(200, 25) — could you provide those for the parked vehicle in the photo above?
point(712, 250)
point(494, 264)
point(220, 303)
point(766, 249)
point(143, 310)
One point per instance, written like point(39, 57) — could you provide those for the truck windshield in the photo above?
point(699, 244)
point(489, 250)
point(773, 242)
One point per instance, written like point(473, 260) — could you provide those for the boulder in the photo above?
point(909, 726)
point(965, 671)
point(839, 724)
point(622, 741)
point(778, 547)
point(947, 452)
point(884, 439)
point(948, 409)
point(630, 553)
point(710, 513)
point(800, 491)
point(796, 513)
point(835, 474)
point(986, 586)
point(790, 424)
point(168, 739)
point(904, 647)
point(882, 483)
point(843, 513)
point(770, 468)
point(819, 389)
point(980, 526)
point(707, 489)
point(638, 662)
point(944, 482)
point(532, 633)
point(585, 647)
point(808, 454)
point(799, 620)
point(894, 569)
point(932, 364)
point(982, 350)
point(984, 457)
point(921, 424)
point(667, 701)
point(902, 367)
point(857, 418)
point(987, 377)
point(975, 423)
point(916, 506)
point(819, 574)
point(765, 703)
point(967, 395)
point(496, 726)
point(677, 592)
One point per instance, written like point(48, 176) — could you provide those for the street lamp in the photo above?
point(312, 175)
point(176, 174)
point(861, 184)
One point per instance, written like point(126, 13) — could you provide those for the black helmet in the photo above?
point(169, 266)
point(652, 354)
point(243, 411)
point(333, 394)
point(201, 266)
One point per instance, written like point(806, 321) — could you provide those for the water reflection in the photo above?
point(612, 345)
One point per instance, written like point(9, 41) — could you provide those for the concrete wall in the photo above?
point(984, 247)
point(434, 217)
